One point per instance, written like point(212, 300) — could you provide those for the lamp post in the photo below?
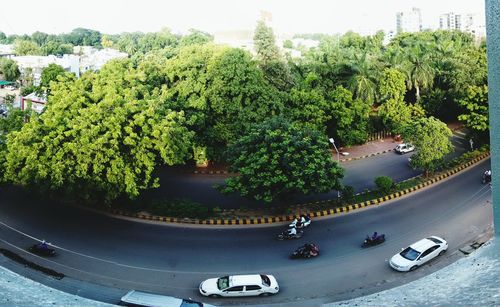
point(338, 157)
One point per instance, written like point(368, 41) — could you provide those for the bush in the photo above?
point(384, 183)
point(183, 208)
point(347, 194)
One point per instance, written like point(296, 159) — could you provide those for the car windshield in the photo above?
point(190, 303)
point(409, 253)
point(265, 280)
point(435, 240)
point(223, 282)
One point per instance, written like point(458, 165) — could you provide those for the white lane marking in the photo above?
point(89, 273)
point(98, 259)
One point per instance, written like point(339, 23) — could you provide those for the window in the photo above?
point(409, 253)
point(430, 250)
point(235, 289)
point(265, 280)
point(189, 303)
point(223, 283)
point(252, 288)
point(435, 240)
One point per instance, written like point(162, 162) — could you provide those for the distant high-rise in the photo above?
point(450, 21)
point(410, 21)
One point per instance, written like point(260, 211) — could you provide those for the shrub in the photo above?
point(347, 194)
point(183, 208)
point(384, 183)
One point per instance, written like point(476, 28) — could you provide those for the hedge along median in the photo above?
point(313, 209)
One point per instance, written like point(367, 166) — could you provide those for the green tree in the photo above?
point(56, 48)
point(475, 105)
point(196, 37)
point(392, 84)
point(39, 38)
point(26, 47)
point(420, 73)
point(431, 138)
point(9, 69)
point(395, 115)
point(50, 74)
point(101, 136)
point(271, 61)
point(349, 117)
point(384, 183)
point(277, 159)
point(362, 77)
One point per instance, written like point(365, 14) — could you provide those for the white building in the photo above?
point(450, 21)
point(94, 59)
point(410, 21)
point(6, 51)
point(35, 64)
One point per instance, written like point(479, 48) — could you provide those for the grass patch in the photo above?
point(182, 208)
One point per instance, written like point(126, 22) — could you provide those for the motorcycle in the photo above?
point(285, 235)
point(42, 249)
point(306, 251)
point(372, 241)
point(302, 222)
point(486, 177)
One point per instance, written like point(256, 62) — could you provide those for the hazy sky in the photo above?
point(289, 16)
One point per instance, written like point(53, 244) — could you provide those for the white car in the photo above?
point(240, 285)
point(418, 253)
point(139, 298)
point(404, 148)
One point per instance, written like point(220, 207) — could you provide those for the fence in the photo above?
point(379, 135)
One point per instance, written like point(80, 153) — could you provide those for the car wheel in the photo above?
point(441, 252)
point(413, 268)
point(265, 294)
point(214, 296)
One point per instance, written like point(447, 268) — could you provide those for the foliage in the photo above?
point(26, 47)
point(50, 74)
point(271, 62)
point(277, 159)
point(431, 138)
point(476, 108)
point(182, 208)
point(102, 134)
point(9, 69)
point(392, 85)
point(384, 183)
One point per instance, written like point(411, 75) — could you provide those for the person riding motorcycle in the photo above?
point(487, 176)
point(292, 231)
point(374, 236)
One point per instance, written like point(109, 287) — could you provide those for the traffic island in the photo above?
point(314, 209)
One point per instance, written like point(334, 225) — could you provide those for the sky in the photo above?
point(288, 16)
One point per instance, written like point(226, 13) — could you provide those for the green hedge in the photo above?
point(182, 208)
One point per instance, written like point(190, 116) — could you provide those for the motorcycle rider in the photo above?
point(487, 176)
point(292, 231)
point(375, 236)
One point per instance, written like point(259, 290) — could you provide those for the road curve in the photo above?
point(358, 173)
point(173, 260)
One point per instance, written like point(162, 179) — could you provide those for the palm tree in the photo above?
point(418, 68)
point(361, 74)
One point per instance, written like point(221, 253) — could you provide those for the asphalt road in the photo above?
point(359, 173)
point(173, 259)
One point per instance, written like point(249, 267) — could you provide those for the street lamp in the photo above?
point(338, 158)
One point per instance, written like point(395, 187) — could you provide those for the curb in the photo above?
point(290, 217)
point(367, 156)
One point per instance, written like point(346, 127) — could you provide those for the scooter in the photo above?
point(304, 222)
point(285, 235)
point(486, 177)
point(370, 241)
point(42, 249)
point(308, 250)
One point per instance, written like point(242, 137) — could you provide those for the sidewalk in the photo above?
point(366, 150)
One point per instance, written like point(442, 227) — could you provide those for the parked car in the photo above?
point(404, 148)
point(418, 253)
point(240, 285)
point(139, 298)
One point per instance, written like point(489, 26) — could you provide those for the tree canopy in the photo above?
point(277, 159)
